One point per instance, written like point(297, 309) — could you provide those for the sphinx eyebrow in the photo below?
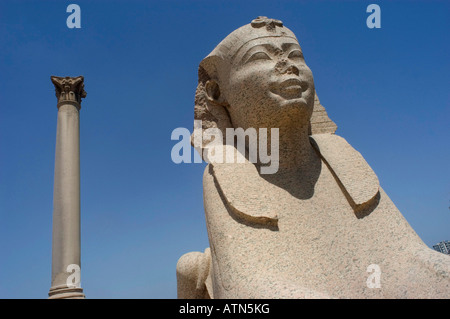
point(266, 47)
point(286, 46)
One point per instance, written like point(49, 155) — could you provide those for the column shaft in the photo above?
point(66, 244)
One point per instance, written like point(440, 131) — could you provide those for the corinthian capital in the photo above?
point(69, 89)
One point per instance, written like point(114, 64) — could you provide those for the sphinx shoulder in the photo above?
point(250, 197)
point(353, 174)
point(241, 188)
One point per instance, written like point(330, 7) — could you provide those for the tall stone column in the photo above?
point(66, 193)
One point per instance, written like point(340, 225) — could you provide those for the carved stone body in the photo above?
point(315, 227)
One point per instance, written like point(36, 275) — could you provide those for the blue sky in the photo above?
point(386, 89)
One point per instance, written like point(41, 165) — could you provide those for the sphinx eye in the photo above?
point(258, 56)
point(296, 54)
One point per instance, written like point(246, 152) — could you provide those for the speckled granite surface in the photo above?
point(318, 226)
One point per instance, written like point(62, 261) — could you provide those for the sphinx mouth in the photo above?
point(291, 88)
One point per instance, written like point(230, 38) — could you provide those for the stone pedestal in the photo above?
point(66, 195)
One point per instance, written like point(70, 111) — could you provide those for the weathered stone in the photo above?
point(66, 194)
point(320, 122)
point(321, 226)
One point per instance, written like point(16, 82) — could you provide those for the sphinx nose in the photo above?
point(283, 66)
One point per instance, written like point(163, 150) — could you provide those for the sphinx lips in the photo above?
point(291, 89)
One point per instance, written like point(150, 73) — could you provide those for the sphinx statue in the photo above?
point(320, 226)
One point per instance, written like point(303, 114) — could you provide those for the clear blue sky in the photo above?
point(387, 90)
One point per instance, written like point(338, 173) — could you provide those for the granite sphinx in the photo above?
point(316, 227)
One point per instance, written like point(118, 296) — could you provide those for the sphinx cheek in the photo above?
point(306, 74)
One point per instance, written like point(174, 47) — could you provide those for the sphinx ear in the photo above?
point(208, 73)
point(213, 93)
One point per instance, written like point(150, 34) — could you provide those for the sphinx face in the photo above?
point(268, 84)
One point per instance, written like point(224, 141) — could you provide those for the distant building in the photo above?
point(443, 247)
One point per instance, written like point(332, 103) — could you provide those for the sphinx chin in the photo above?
point(292, 111)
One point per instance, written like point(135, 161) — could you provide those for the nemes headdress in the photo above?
point(261, 27)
